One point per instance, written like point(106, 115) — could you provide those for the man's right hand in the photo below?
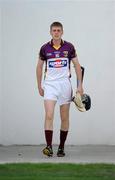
point(41, 91)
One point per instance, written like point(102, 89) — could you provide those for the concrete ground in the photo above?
point(74, 154)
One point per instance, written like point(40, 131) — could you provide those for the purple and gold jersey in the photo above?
point(57, 60)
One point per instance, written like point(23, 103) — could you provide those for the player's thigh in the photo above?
point(64, 111)
point(65, 93)
point(49, 106)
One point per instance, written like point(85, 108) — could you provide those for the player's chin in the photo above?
point(56, 37)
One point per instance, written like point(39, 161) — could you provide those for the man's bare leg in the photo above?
point(64, 114)
point(48, 125)
point(49, 114)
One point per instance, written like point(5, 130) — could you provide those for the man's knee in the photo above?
point(49, 116)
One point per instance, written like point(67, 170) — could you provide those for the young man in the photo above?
point(57, 56)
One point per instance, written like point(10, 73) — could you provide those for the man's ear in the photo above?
point(50, 32)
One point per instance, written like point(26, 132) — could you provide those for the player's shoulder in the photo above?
point(45, 45)
point(68, 43)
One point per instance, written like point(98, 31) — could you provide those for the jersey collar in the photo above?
point(51, 42)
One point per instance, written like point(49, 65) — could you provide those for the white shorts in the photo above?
point(60, 91)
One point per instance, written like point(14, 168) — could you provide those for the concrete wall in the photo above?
point(90, 26)
point(0, 77)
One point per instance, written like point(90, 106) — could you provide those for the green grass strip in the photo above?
point(57, 171)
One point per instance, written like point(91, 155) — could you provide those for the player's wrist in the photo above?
point(79, 83)
point(39, 86)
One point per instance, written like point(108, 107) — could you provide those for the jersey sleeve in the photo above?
point(73, 53)
point(42, 55)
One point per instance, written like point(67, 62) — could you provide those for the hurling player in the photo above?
point(57, 55)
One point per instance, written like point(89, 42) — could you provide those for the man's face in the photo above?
point(56, 32)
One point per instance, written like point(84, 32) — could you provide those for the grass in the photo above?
point(63, 171)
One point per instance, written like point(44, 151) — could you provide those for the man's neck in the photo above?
point(56, 42)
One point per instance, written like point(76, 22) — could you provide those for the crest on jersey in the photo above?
point(65, 53)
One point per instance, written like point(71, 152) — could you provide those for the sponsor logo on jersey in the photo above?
point(48, 54)
point(58, 63)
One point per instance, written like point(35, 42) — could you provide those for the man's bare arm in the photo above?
point(39, 70)
point(78, 71)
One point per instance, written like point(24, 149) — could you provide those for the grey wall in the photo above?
point(0, 81)
point(90, 26)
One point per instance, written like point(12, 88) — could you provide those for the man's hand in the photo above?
point(41, 91)
point(80, 90)
point(79, 77)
